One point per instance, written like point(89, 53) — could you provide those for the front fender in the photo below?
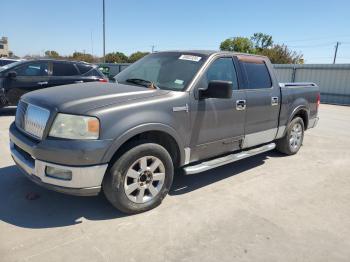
point(118, 142)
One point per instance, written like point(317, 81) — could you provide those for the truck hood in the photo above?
point(80, 98)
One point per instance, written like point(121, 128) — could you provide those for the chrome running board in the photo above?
point(204, 166)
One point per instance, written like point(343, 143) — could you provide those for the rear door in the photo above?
point(64, 73)
point(262, 101)
point(30, 76)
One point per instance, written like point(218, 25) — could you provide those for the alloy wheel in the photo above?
point(144, 179)
point(296, 136)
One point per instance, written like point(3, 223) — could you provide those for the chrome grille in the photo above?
point(20, 113)
point(31, 119)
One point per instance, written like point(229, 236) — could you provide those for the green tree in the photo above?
point(261, 41)
point(262, 44)
point(78, 56)
point(116, 57)
point(281, 54)
point(237, 44)
point(136, 56)
point(52, 54)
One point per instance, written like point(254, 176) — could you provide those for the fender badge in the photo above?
point(181, 108)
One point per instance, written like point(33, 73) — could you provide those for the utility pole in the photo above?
point(92, 44)
point(104, 34)
point(336, 51)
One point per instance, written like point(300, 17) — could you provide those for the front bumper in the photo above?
point(86, 179)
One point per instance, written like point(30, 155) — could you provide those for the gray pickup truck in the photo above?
point(180, 110)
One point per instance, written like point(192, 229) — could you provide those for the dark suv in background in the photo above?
point(21, 77)
point(6, 61)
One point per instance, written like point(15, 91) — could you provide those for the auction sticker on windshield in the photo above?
point(179, 82)
point(190, 58)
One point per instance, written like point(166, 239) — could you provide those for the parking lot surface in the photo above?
point(266, 208)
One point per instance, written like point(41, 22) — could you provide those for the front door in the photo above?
point(263, 102)
point(217, 124)
point(30, 76)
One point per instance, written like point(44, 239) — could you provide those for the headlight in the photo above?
point(75, 127)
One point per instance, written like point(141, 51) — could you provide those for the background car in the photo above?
point(21, 77)
point(6, 61)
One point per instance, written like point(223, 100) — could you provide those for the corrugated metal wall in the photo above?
point(333, 80)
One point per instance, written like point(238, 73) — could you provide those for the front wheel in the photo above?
point(293, 139)
point(140, 179)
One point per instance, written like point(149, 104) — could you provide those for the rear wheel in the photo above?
point(293, 139)
point(3, 101)
point(140, 179)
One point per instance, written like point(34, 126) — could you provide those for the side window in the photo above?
point(64, 69)
point(223, 69)
point(84, 68)
point(94, 72)
point(33, 69)
point(257, 74)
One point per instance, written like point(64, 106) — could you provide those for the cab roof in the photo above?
point(212, 52)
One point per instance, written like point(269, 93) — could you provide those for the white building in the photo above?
point(4, 47)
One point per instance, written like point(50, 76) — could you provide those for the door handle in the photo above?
point(240, 105)
point(79, 81)
point(42, 83)
point(274, 101)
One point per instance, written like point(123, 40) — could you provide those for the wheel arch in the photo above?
point(156, 132)
point(303, 112)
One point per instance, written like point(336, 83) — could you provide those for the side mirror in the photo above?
point(217, 89)
point(12, 74)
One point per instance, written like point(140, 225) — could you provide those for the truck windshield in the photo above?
point(166, 70)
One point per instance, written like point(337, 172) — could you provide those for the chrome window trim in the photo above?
point(203, 68)
point(265, 88)
point(216, 55)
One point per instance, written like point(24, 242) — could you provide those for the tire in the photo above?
point(293, 139)
point(135, 183)
point(3, 101)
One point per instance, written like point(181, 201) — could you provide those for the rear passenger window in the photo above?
point(84, 68)
point(257, 74)
point(64, 69)
point(223, 69)
point(94, 72)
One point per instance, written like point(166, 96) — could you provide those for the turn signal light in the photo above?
point(93, 125)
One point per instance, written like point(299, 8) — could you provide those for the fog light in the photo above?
point(58, 173)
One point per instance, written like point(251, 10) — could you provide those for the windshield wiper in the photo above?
point(142, 82)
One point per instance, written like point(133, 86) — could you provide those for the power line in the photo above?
point(318, 38)
point(336, 51)
point(313, 45)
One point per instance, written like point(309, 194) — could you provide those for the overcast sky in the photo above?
point(310, 27)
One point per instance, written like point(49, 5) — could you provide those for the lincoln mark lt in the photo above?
point(169, 113)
